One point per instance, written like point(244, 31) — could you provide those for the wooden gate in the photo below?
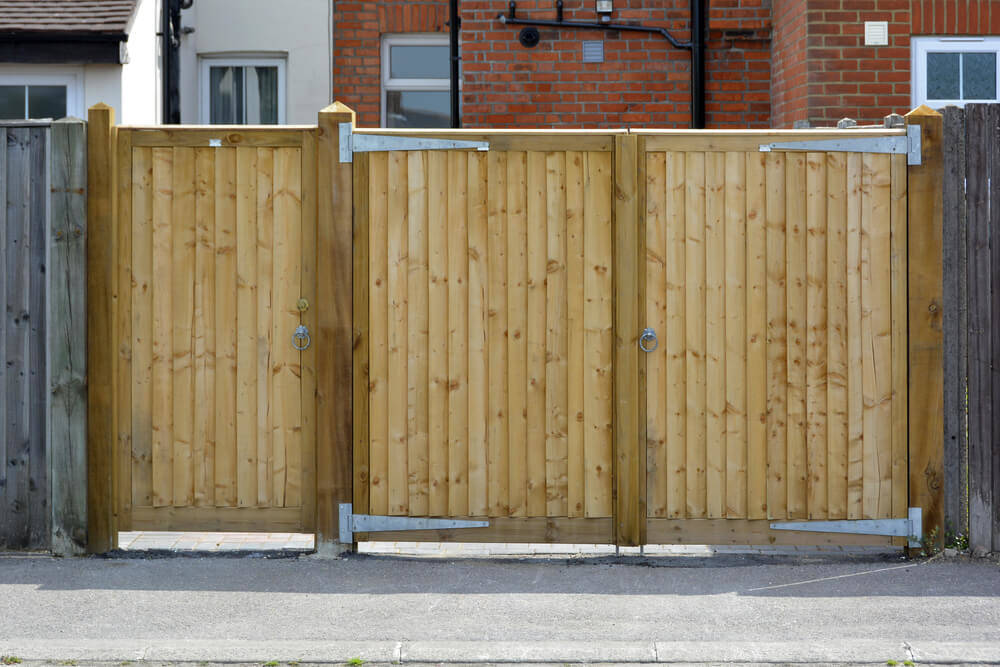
point(489, 278)
point(215, 406)
point(776, 283)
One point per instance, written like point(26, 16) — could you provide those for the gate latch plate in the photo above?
point(911, 527)
point(351, 523)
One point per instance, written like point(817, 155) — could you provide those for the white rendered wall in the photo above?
point(103, 83)
point(141, 75)
point(298, 30)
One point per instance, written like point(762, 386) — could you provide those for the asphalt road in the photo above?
point(53, 607)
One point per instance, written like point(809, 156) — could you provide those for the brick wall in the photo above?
point(789, 75)
point(643, 81)
point(847, 78)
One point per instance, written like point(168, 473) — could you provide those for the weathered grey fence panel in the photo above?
point(25, 522)
point(67, 342)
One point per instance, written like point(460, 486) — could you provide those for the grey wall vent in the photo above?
point(593, 52)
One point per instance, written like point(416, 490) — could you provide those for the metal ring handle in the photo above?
point(648, 335)
point(301, 333)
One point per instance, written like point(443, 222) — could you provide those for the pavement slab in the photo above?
point(720, 608)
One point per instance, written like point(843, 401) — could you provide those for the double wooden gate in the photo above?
point(499, 298)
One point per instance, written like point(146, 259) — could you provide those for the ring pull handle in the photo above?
point(301, 339)
point(648, 342)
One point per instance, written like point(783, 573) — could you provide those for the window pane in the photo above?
point(46, 101)
point(262, 95)
point(419, 62)
point(942, 76)
point(417, 108)
point(226, 90)
point(979, 76)
point(11, 102)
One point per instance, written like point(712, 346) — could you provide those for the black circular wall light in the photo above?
point(529, 37)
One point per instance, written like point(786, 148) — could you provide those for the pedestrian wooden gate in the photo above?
point(215, 403)
point(498, 306)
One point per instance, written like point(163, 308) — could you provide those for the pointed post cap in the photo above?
point(923, 110)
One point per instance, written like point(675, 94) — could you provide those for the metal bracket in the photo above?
point(351, 143)
point(910, 527)
point(369, 523)
point(894, 145)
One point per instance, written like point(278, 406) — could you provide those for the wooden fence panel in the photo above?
point(490, 387)
point(24, 220)
point(818, 226)
point(219, 264)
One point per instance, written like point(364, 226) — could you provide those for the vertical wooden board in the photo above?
point(379, 332)
point(575, 336)
point(265, 324)
point(203, 444)
point(928, 452)
point(695, 228)
point(599, 337)
point(899, 379)
point(287, 360)
point(398, 294)
point(246, 334)
point(795, 254)
point(17, 335)
point(438, 328)
point(871, 477)
point(417, 337)
point(756, 336)
point(736, 336)
point(123, 464)
point(457, 380)
point(478, 323)
point(39, 415)
point(715, 334)
point(182, 300)
point(777, 350)
point(855, 397)
point(361, 308)
point(162, 401)
point(142, 327)
point(225, 329)
point(881, 322)
point(537, 254)
point(817, 505)
point(66, 241)
point(656, 317)
point(4, 481)
point(497, 336)
point(675, 343)
point(836, 327)
point(517, 323)
point(556, 389)
point(342, 480)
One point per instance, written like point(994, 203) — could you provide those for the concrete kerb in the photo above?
point(473, 652)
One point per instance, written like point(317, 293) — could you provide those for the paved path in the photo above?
point(729, 607)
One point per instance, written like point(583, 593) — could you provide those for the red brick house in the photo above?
point(768, 62)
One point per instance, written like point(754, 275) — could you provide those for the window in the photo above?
point(38, 96)
point(416, 81)
point(955, 70)
point(243, 91)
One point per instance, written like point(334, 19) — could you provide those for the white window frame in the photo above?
point(921, 46)
point(206, 62)
point(71, 79)
point(389, 83)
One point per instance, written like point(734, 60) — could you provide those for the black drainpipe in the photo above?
point(696, 45)
point(170, 34)
point(454, 25)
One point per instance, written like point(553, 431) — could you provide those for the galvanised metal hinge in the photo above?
point(896, 145)
point(351, 523)
point(351, 143)
point(910, 527)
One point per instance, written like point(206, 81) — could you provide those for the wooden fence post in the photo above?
point(68, 350)
point(102, 531)
point(982, 148)
point(336, 373)
point(926, 391)
point(629, 264)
